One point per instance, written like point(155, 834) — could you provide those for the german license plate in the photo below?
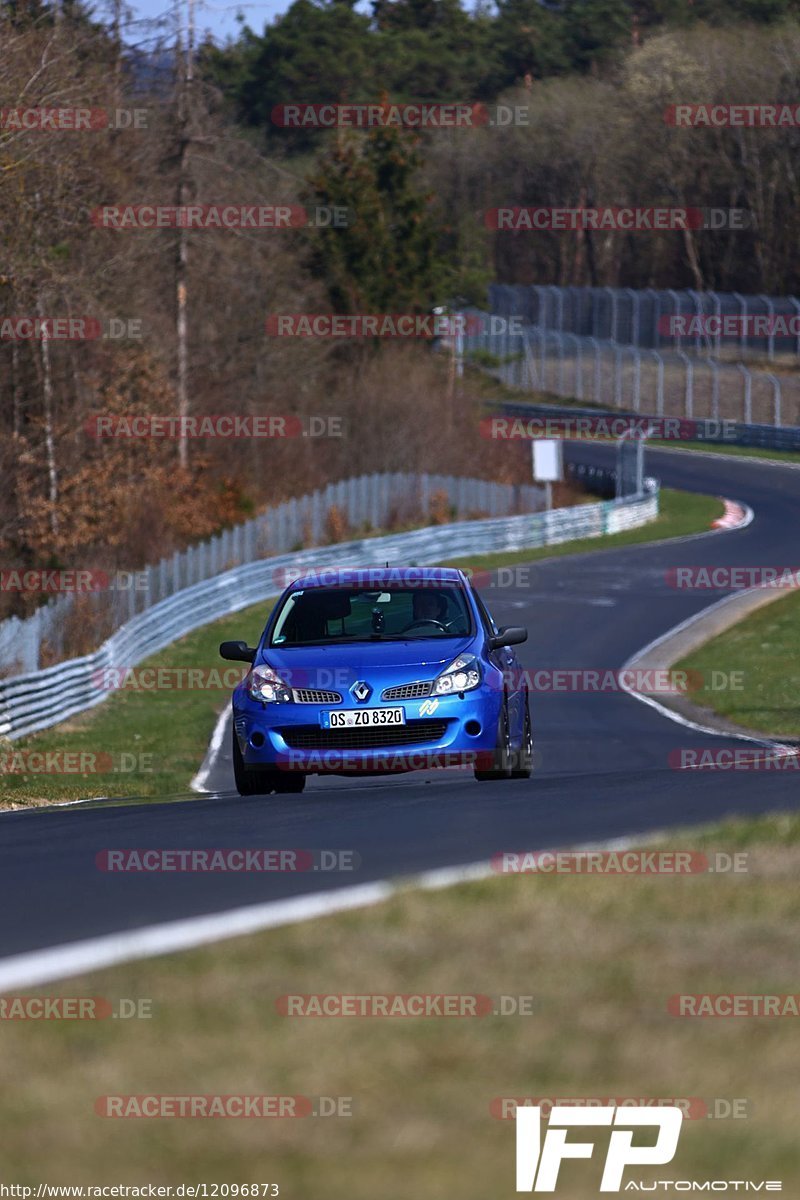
point(362, 718)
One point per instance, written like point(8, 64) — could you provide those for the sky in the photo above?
point(218, 17)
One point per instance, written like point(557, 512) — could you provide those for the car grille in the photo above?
point(408, 691)
point(312, 737)
point(315, 696)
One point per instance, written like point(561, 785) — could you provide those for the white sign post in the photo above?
point(548, 465)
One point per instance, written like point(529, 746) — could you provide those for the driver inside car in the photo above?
point(429, 606)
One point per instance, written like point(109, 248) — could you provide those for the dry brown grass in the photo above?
point(599, 956)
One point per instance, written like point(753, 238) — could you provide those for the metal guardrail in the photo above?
point(636, 317)
point(733, 433)
point(366, 501)
point(41, 699)
point(624, 377)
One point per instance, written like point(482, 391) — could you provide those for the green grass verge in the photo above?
point(171, 728)
point(765, 648)
point(681, 513)
point(599, 956)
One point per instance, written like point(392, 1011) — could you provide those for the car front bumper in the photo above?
point(442, 731)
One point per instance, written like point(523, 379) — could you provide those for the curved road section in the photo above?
point(605, 760)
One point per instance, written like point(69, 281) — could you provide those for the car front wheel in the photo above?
point(523, 758)
point(261, 781)
point(500, 764)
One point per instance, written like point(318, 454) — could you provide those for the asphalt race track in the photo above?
point(603, 759)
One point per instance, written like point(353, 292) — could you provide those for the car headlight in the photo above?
point(462, 675)
point(266, 685)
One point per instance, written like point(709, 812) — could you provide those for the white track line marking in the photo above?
point(636, 658)
point(76, 958)
point(198, 784)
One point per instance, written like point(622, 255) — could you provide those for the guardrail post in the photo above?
point(656, 317)
point(688, 396)
point(776, 400)
point(743, 319)
point(714, 389)
point(796, 304)
point(698, 306)
point(677, 313)
point(635, 316)
point(614, 315)
point(748, 394)
point(771, 337)
point(659, 383)
point(597, 384)
point(718, 315)
point(617, 377)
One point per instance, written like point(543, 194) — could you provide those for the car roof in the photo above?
point(379, 577)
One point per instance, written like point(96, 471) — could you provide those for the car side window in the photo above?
point(488, 623)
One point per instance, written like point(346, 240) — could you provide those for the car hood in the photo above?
point(425, 655)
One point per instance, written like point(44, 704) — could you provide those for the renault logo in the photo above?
point(361, 690)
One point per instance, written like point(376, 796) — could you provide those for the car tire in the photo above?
point(501, 755)
point(249, 782)
point(522, 765)
point(285, 782)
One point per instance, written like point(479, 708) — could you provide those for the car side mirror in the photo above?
point(512, 635)
point(237, 652)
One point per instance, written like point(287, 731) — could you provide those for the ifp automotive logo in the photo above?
point(538, 1165)
point(538, 1162)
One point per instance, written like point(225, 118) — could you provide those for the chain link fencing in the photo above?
point(731, 325)
point(618, 376)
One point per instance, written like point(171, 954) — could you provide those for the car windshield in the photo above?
point(322, 616)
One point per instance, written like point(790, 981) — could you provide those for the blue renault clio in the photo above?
point(379, 670)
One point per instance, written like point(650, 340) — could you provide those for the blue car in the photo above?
point(379, 670)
